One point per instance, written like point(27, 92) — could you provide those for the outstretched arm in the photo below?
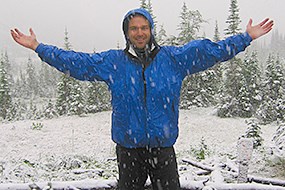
point(25, 40)
point(260, 29)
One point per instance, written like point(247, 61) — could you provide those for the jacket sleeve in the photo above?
point(199, 55)
point(82, 66)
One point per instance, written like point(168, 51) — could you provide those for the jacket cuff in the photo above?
point(40, 48)
point(247, 37)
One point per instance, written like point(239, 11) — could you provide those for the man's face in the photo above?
point(139, 31)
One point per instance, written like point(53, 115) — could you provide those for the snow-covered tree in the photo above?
point(32, 79)
point(254, 132)
point(5, 91)
point(98, 97)
point(273, 101)
point(279, 140)
point(49, 110)
point(229, 103)
point(199, 90)
point(161, 36)
point(190, 24)
point(249, 96)
point(48, 78)
point(69, 91)
point(217, 36)
point(233, 19)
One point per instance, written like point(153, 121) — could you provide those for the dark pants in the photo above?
point(135, 165)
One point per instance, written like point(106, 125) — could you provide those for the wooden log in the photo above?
point(243, 186)
point(268, 181)
point(198, 165)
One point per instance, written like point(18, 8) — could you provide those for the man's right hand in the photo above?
point(25, 40)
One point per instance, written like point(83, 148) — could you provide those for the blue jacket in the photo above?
point(145, 103)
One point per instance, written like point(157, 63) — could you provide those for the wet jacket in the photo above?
point(145, 101)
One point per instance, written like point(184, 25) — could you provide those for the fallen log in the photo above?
point(60, 185)
point(198, 165)
point(209, 169)
point(267, 181)
point(243, 186)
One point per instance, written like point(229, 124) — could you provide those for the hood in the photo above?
point(131, 14)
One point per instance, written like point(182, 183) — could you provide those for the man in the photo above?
point(145, 81)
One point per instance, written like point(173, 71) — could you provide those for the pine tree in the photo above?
point(32, 79)
point(273, 101)
point(198, 89)
point(189, 26)
point(216, 33)
point(229, 102)
point(143, 4)
point(233, 20)
point(249, 97)
point(254, 132)
point(49, 111)
point(20, 86)
point(98, 97)
point(161, 36)
point(229, 105)
point(48, 78)
point(5, 94)
point(70, 98)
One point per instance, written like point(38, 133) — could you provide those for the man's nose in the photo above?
point(140, 31)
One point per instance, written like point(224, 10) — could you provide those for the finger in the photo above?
point(249, 22)
point(14, 35)
point(263, 22)
point(269, 24)
point(18, 32)
point(32, 32)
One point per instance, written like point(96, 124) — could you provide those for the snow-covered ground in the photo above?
point(80, 148)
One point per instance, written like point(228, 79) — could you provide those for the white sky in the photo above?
point(96, 24)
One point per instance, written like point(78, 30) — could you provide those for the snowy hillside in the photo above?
point(80, 148)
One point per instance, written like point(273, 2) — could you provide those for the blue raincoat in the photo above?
point(145, 102)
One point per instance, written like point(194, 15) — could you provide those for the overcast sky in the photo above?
point(96, 24)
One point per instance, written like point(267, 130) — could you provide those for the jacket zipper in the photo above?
point(144, 82)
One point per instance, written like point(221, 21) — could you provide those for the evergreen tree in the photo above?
point(5, 93)
point(249, 97)
point(70, 93)
point(233, 20)
point(229, 105)
point(218, 68)
point(161, 36)
point(98, 97)
point(189, 26)
point(143, 4)
point(20, 86)
point(198, 89)
point(49, 111)
point(216, 33)
point(229, 100)
point(48, 78)
point(273, 101)
point(31, 80)
point(254, 132)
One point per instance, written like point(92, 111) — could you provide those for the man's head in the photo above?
point(138, 28)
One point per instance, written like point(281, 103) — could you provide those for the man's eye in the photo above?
point(133, 29)
point(145, 28)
